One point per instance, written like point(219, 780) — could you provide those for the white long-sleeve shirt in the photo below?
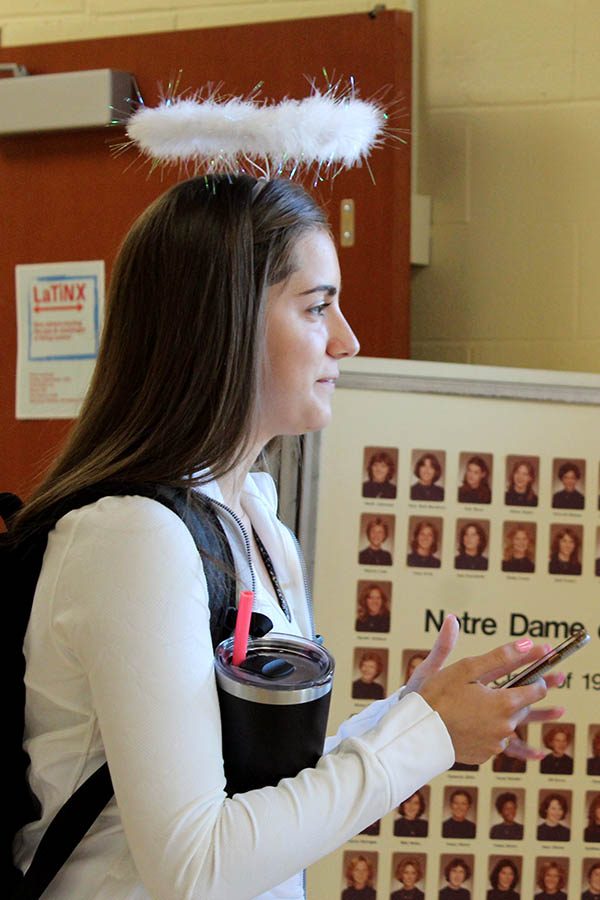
point(120, 667)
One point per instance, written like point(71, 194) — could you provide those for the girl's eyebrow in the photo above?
point(328, 289)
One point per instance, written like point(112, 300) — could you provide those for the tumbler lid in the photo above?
point(278, 669)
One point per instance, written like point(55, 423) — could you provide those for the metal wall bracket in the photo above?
point(15, 69)
point(347, 228)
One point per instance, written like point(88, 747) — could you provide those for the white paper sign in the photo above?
point(59, 317)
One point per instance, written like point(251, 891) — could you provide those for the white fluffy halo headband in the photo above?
point(206, 132)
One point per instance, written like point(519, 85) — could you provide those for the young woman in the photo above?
point(366, 686)
point(551, 879)
point(408, 872)
point(519, 491)
point(558, 761)
point(472, 541)
point(519, 550)
point(458, 825)
point(413, 662)
point(359, 877)
point(504, 762)
point(373, 613)
point(423, 546)
point(564, 553)
point(427, 471)
point(592, 892)
point(569, 497)
point(504, 878)
point(456, 872)
point(374, 554)
point(591, 833)
point(593, 761)
point(475, 487)
point(508, 829)
point(223, 330)
point(553, 809)
point(410, 823)
point(381, 470)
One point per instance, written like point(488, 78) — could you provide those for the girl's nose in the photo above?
point(342, 340)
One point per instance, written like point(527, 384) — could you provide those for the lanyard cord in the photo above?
point(272, 575)
point(265, 558)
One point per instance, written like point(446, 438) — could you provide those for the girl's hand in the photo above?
point(481, 719)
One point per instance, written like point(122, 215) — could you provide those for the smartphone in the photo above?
point(577, 640)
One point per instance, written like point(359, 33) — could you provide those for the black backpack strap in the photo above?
point(204, 525)
point(65, 832)
point(81, 810)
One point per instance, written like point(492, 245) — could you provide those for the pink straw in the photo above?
point(242, 627)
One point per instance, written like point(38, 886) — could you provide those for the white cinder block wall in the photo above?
point(510, 152)
point(511, 102)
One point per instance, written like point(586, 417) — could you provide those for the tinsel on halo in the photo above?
point(207, 132)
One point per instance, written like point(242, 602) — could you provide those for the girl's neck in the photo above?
point(232, 483)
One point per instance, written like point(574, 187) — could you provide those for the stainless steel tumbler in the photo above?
point(274, 709)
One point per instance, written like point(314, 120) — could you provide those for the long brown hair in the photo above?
point(176, 383)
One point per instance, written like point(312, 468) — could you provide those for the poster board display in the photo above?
point(474, 490)
point(60, 309)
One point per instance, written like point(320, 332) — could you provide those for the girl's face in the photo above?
point(505, 878)
point(459, 807)
point(509, 811)
point(360, 874)
point(597, 813)
point(306, 336)
point(569, 481)
point(413, 664)
point(425, 539)
point(374, 602)
point(473, 475)
point(456, 876)
point(376, 535)
point(368, 670)
point(427, 471)
point(551, 880)
point(520, 544)
point(471, 540)
point(409, 876)
point(521, 479)
point(555, 812)
point(559, 743)
point(566, 545)
point(379, 471)
point(411, 807)
point(595, 880)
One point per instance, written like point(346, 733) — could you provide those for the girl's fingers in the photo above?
point(519, 749)
point(520, 698)
point(437, 656)
point(444, 645)
point(547, 714)
point(554, 679)
point(504, 660)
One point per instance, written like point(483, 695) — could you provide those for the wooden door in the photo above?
point(64, 197)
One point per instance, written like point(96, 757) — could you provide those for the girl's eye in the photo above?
point(319, 310)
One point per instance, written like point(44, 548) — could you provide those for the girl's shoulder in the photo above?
point(122, 516)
